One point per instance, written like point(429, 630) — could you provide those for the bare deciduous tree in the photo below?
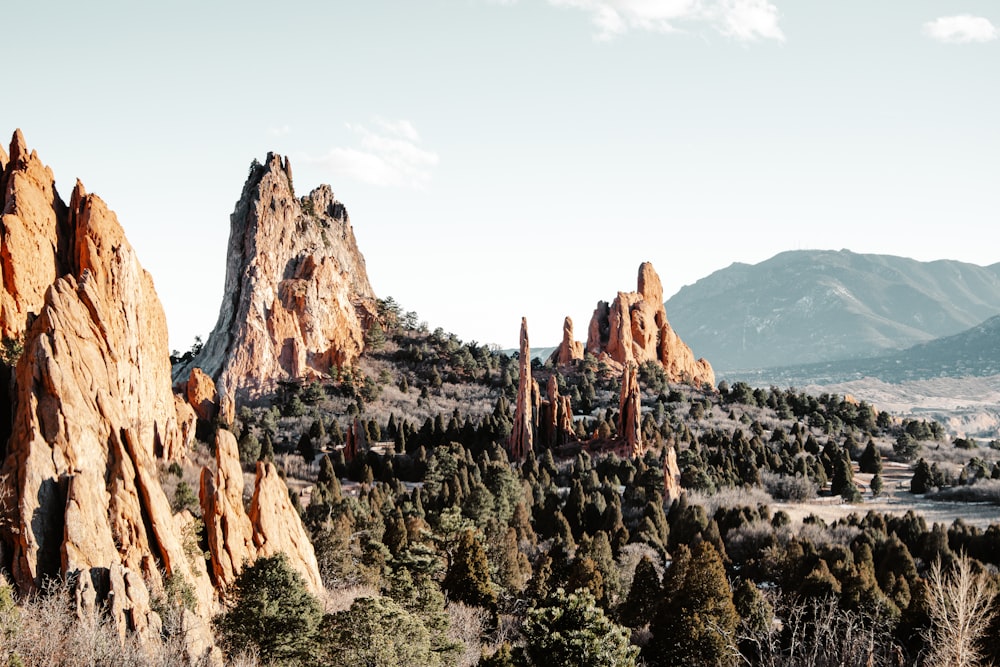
point(960, 606)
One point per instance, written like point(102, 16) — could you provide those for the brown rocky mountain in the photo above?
point(297, 297)
point(634, 327)
point(94, 414)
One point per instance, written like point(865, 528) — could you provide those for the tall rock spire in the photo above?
point(522, 436)
point(569, 350)
point(630, 412)
point(92, 405)
point(297, 297)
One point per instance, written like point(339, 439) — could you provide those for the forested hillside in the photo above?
point(437, 549)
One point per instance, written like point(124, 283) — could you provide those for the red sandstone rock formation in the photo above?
point(569, 350)
point(200, 392)
point(630, 412)
point(230, 535)
point(671, 475)
point(237, 537)
point(522, 435)
point(92, 411)
point(555, 421)
point(278, 528)
point(355, 440)
point(297, 293)
point(92, 404)
point(634, 327)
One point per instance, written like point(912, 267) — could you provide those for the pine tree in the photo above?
point(570, 629)
point(871, 460)
point(642, 596)
point(468, 577)
point(696, 622)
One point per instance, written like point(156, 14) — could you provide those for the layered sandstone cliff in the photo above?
point(634, 327)
point(94, 416)
point(92, 405)
point(296, 298)
point(237, 537)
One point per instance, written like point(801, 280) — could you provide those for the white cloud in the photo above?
point(742, 20)
point(282, 131)
point(389, 156)
point(961, 29)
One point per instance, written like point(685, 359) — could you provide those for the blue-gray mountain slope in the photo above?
point(809, 306)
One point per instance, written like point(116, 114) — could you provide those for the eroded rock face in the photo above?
point(237, 537)
point(630, 412)
point(671, 475)
point(93, 404)
point(555, 421)
point(278, 528)
point(522, 435)
point(634, 327)
point(297, 292)
point(230, 535)
point(35, 233)
point(569, 350)
point(200, 392)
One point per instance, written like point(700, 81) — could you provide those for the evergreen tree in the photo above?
point(923, 478)
point(271, 610)
point(642, 596)
point(871, 460)
point(570, 629)
point(468, 577)
point(696, 622)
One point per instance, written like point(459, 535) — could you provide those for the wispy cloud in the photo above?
point(961, 29)
point(742, 20)
point(388, 154)
point(282, 131)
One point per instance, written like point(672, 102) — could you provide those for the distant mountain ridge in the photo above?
point(972, 353)
point(813, 306)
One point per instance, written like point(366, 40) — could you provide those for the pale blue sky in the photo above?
point(501, 159)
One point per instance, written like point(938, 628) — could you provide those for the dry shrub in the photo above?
point(43, 629)
point(341, 599)
point(729, 497)
point(466, 625)
point(983, 491)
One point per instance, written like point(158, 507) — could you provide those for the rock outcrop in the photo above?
point(555, 417)
point(200, 392)
point(522, 435)
point(671, 475)
point(278, 528)
point(569, 350)
point(297, 298)
point(237, 537)
point(93, 415)
point(630, 413)
point(92, 406)
point(634, 327)
point(230, 535)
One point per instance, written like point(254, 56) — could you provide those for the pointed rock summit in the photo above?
point(297, 298)
point(93, 416)
point(523, 433)
point(630, 413)
point(569, 350)
point(634, 327)
point(92, 405)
